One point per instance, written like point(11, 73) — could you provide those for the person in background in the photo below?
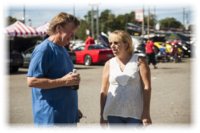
point(126, 86)
point(89, 41)
point(149, 49)
point(163, 53)
point(54, 99)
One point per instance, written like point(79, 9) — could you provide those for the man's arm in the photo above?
point(45, 83)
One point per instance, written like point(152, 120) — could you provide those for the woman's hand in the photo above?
point(103, 122)
point(146, 119)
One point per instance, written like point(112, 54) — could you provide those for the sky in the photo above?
point(38, 15)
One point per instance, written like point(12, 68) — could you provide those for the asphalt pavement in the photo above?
point(171, 100)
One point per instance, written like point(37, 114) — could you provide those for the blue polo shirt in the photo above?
point(56, 105)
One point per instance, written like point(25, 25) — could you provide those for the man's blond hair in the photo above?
point(61, 20)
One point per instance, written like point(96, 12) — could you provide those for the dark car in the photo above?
point(72, 54)
point(27, 56)
point(15, 61)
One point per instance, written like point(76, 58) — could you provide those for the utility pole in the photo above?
point(148, 19)
point(74, 13)
point(97, 21)
point(92, 21)
point(187, 19)
point(184, 17)
point(143, 21)
point(155, 18)
point(24, 15)
point(94, 12)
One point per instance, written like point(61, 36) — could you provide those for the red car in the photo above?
point(93, 54)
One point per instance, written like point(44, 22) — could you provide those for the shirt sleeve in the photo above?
point(39, 64)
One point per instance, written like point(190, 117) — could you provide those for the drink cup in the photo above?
point(75, 87)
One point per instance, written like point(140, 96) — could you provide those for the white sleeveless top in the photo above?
point(125, 94)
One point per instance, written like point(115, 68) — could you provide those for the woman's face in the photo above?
point(117, 46)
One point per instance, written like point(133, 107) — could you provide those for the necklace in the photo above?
point(123, 62)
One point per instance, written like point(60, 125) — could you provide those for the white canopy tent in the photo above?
point(21, 30)
point(43, 29)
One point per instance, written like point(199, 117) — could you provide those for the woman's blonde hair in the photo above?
point(61, 20)
point(124, 37)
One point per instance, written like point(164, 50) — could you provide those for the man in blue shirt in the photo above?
point(54, 100)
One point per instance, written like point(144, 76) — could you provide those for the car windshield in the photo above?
point(80, 48)
point(97, 46)
point(30, 50)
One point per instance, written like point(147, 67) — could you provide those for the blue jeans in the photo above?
point(122, 120)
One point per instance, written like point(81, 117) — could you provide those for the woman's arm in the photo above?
point(146, 81)
point(104, 89)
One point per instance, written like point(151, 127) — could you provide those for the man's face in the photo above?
point(67, 32)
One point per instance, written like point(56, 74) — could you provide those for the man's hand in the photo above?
point(71, 79)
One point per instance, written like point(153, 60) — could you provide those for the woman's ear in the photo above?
point(127, 46)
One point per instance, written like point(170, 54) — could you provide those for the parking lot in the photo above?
point(170, 102)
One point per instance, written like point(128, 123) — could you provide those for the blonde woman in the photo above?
point(54, 99)
point(126, 86)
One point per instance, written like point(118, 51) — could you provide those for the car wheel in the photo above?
point(87, 60)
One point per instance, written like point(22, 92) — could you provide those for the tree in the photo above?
point(152, 21)
point(170, 22)
point(81, 32)
point(110, 22)
point(10, 20)
point(122, 20)
point(106, 20)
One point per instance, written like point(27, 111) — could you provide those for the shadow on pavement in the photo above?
point(87, 67)
point(168, 68)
